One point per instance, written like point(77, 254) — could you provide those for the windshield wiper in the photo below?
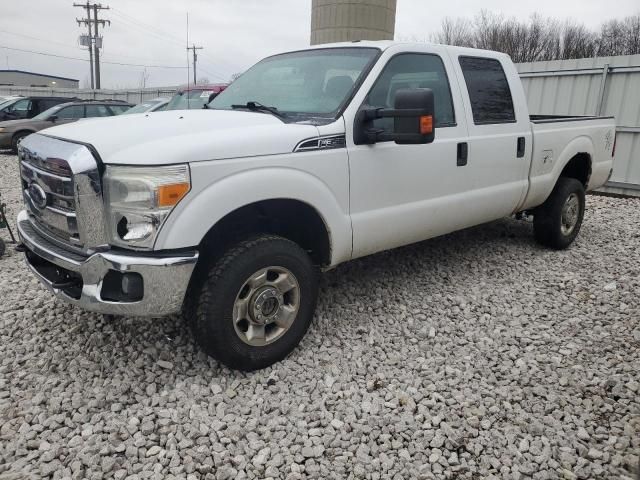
point(258, 107)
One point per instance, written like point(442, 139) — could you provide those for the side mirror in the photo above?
point(413, 119)
point(53, 118)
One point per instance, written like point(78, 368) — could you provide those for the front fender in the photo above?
point(208, 203)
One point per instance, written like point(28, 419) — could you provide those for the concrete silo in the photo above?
point(348, 20)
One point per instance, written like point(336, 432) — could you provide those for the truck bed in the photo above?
point(556, 138)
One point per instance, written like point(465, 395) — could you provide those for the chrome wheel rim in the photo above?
point(266, 306)
point(570, 214)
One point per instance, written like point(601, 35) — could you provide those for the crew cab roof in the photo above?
point(386, 44)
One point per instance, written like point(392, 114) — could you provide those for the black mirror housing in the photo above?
point(413, 119)
point(416, 128)
point(53, 118)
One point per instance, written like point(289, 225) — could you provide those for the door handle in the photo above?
point(463, 154)
point(521, 147)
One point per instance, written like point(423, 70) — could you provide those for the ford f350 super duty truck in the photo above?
point(309, 159)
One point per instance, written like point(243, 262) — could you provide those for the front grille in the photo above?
point(56, 211)
point(62, 192)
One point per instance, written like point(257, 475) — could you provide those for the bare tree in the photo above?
point(541, 38)
point(457, 32)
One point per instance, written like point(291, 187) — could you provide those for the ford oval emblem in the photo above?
point(38, 196)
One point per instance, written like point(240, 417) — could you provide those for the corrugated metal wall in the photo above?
point(594, 86)
point(132, 95)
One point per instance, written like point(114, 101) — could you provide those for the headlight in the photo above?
point(139, 199)
point(1, 129)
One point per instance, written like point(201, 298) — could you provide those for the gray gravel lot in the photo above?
point(476, 355)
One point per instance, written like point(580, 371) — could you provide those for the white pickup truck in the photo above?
point(310, 159)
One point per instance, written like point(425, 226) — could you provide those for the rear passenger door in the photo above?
point(499, 142)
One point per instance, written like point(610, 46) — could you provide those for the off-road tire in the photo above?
point(547, 220)
point(212, 310)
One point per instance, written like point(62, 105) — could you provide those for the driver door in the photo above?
point(402, 194)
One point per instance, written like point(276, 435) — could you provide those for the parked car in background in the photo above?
point(28, 107)
point(153, 105)
point(12, 131)
point(195, 96)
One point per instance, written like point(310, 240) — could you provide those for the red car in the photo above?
point(195, 96)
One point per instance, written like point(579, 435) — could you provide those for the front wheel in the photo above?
point(558, 220)
point(256, 303)
point(16, 140)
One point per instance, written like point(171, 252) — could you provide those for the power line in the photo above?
point(66, 45)
point(84, 60)
point(147, 29)
point(93, 39)
point(151, 28)
point(75, 47)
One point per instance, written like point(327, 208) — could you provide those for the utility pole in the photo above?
point(94, 41)
point(96, 7)
point(195, 60)
point(87, 21)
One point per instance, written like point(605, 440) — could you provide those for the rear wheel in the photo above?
point(558, 220)
point(16, 139)
point(256, 302)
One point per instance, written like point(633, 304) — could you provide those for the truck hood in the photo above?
point(182, 136)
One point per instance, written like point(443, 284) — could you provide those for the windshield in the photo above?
point(144, 107)
point(192, 99)
point(6, 103)
point(47, 113)
point(310, 83)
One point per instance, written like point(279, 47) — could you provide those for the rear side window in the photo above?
point(488, 89)
point(118, 109)
point(72, 112)
point(97, 111)
point(48, 103)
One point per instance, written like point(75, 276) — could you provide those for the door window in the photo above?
point(97, 111)
point(118, 109)
point(21, 108)
point(488, 89)
point(72, 112)
point(47, 104)
point(413, 70)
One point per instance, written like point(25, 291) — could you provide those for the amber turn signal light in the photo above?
point(169, 195)
point(426, 124)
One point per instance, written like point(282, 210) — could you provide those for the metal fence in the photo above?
point(129, 95)
point(594, 86)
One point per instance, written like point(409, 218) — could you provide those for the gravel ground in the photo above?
point(476, 355)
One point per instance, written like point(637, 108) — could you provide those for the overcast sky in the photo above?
point(234, 33)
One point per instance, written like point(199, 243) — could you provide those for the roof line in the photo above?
point(40, 75)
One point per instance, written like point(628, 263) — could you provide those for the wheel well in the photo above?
point(579, 167)
point(19, 132)
point(292, 219)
